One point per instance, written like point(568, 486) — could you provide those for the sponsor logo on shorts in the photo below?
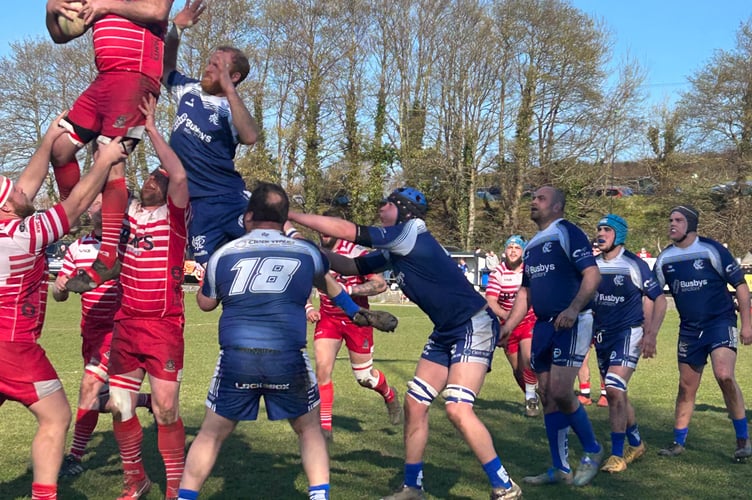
point(252, 386)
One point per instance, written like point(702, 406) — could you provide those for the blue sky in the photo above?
point(670, 38)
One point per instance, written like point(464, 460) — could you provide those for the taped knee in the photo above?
point(454, 393)
point(420, 391)
point(120, 400)
point(613, 381)
point(364, 375)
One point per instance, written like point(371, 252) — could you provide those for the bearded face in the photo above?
point(22, 209)
point(210, 85)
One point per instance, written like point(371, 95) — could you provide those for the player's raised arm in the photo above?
point(184, 19)
point(177, 189)
point(33, 175)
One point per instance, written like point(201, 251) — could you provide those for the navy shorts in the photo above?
point(561, 347)
point(694, 348)
point(472, 342)
point(214, 222)
point(242, 376)
point(618, 348)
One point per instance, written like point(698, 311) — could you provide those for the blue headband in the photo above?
point(516, 239)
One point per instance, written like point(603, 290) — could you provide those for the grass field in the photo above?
point(261, 460)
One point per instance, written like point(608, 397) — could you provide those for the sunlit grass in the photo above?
point(262, 461)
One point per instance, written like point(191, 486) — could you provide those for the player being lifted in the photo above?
point(128, 45)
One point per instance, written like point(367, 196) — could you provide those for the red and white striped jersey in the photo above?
point(152, 273)
point(348, 249)
point(98, 306)
point(504, 283)
point(122, 45)
point(23, 272)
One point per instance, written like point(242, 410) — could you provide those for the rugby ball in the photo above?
point(75, 27)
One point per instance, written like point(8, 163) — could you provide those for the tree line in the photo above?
point(355, 97)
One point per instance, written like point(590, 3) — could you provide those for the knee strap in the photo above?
point(420, 391)
point(454, 393)
point(363, 374)
point(121, 389)
point(614, 381)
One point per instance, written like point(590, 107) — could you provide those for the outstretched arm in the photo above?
point(184, 19)
point(177, 188)
point(91, 184)
point(33, 175)
point(333, 226)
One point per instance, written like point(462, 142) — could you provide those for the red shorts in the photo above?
point(96, 352)
point(26, 375)
point(109, 106)
point(358, 339)
point(523, 331)
point(156, 345)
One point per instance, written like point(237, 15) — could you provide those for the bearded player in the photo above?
point(333, 327)
point(503, 285)
point(128, 41)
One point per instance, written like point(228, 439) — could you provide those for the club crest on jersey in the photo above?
point(119, 122)
point(198, 242)
point(547, 247)
point(214, 119)
point(176, 273)
point(28, 310)
point(698, 264)
point(619, 280)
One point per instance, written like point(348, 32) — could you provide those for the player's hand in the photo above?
point(190, 14)
point(746, 334)
point(313, 316)
point(113, 151)
point(64, 8)
point(148, 107)
point(225, 78)
point(565, 319)
point(55, 130)
point(648, 345)
point(59, 292)
point(93, 10)
point(503, 337)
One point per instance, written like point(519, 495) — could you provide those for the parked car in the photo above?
point(492, 193)
point(730, 187)
point(615, 191)
point(55, 253)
